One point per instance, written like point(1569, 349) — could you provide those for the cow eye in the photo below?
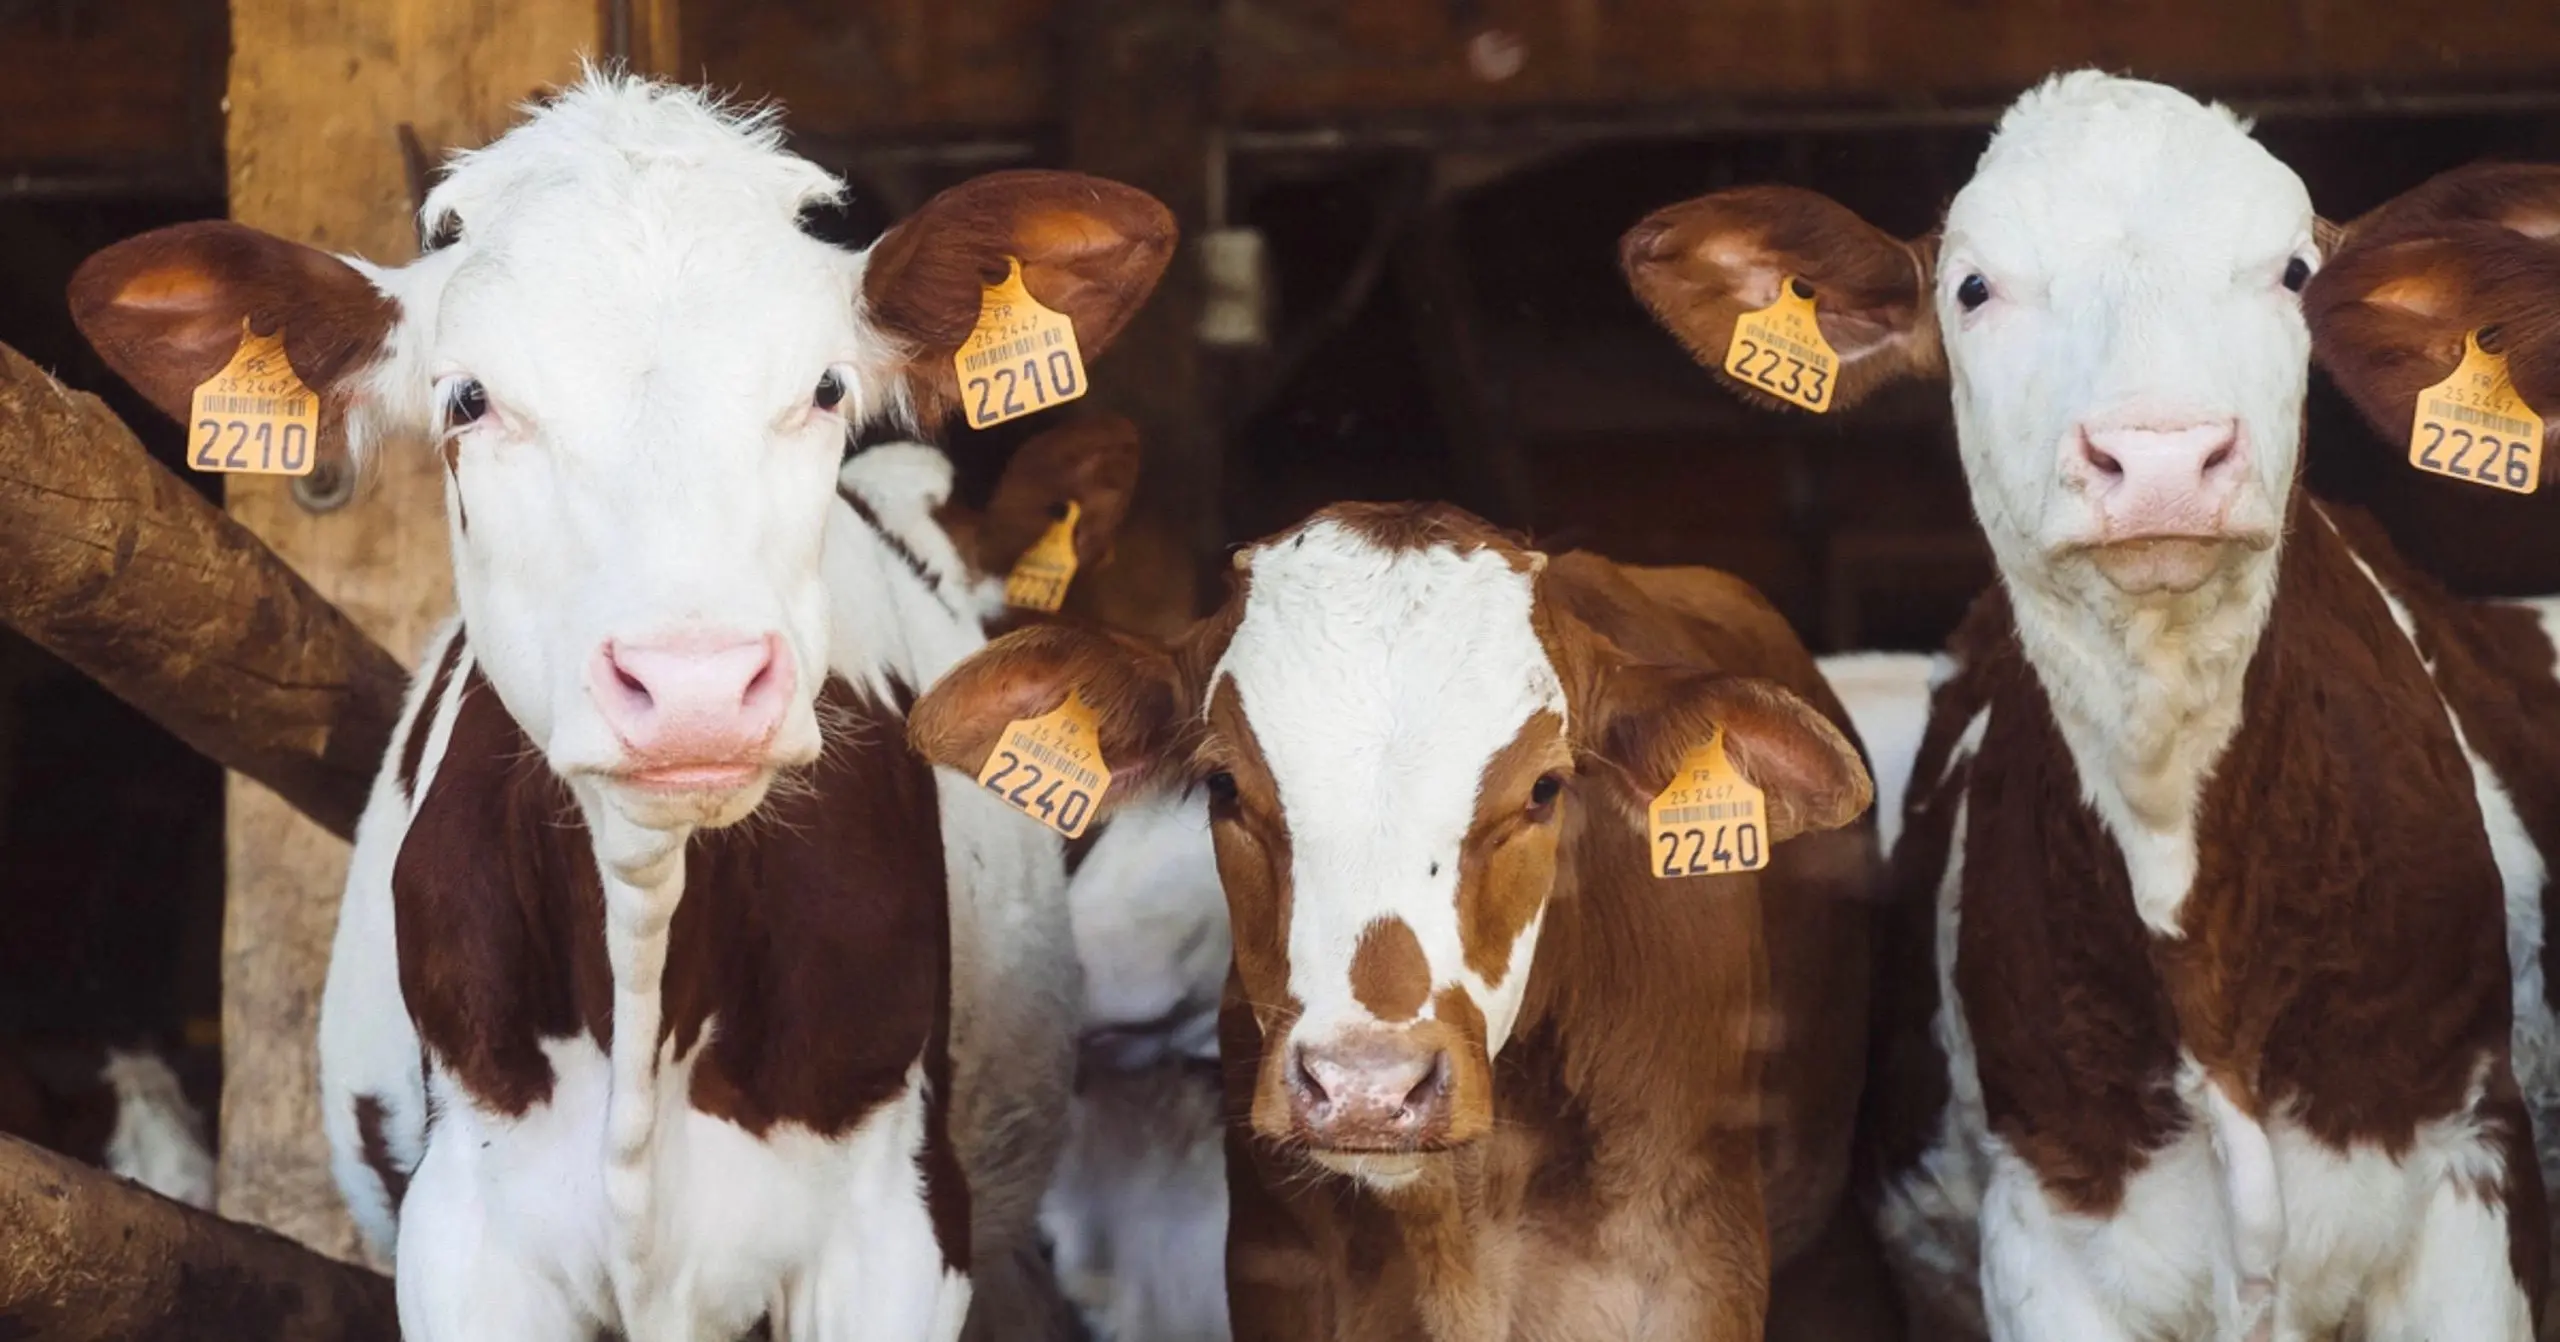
point(1222, 788)
point(830, 392)
point(466, 403)
point(1973, 292)
point(2297, 273)
point(1543, 794)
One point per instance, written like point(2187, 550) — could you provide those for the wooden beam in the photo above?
point(119, 568)
point(318, 92)
point(92, 1258)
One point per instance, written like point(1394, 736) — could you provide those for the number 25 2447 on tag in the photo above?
point(1050, 767)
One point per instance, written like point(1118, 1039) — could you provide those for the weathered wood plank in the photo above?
point(92, 1258)
point(122, 570)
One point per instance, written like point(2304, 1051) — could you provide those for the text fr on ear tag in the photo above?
point(254, 417)
point(1050, 767)
point(1022, 357)
point(2473, 427)
point(1710, 821)
point(1779, 349)
point(1039, 579)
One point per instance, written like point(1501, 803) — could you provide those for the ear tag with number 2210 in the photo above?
point(1050, 767)
point(1021, 357)
point(1780, 350)
point(254, 417)
point(1710, 821)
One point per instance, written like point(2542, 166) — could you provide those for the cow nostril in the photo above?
point(1310, 1091)
point(2220, 455)
point(1426, 1093)
point(2100, 458)
point(631, 684)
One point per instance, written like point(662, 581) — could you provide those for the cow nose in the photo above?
point(1373, 1089)
point(695, 699)
point(2162, 481)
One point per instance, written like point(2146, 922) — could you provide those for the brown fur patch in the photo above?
point(376, 1150)
point(1507, 865)
point(413, 749)
point(1389, 977)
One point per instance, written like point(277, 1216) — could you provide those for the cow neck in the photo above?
point(2147, 695)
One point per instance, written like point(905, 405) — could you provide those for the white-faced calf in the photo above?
point(599, 1056)
point(2212, 876)
point(1500, 1078)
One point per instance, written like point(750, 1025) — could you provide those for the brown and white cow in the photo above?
point(600, 1055)
point(121, 1109)
point(1498, 1078)
point(2206, 871)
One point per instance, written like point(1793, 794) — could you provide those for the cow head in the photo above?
point(2116, 298)
point(639, 374)
point(1403, 739)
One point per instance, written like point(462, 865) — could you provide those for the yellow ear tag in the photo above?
point(2473, 427)
point(1779, 349)
point(1050, 767)
point(1022, 357)
point(254, 417)
point(1710, 821)
point(1040, 577)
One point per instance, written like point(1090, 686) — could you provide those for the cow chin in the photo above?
point(1384, 1173)
point(699, 796)
point(2169, 566)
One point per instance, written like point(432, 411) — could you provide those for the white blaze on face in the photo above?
point(2127, 357)
point(631, 298)
point(1379, 682)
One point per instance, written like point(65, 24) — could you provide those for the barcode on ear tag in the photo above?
point(1050, 767)
point(1780, 350)
point(2473, 427)
point(1021, 357)
point(1039, 579)
point(255, 417)
point(1710, 821)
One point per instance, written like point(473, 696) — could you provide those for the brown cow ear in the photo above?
point(1132, 688)
point(1091, 249)
point(166, 310)
point(1650, 717)
point(2390, 311)
point(2522, 198)
point(1091, 462)
point(1701, 264)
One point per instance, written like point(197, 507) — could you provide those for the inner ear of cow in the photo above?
point(166, 309)
point(1651, 717)
point(2388, 315)
point(1091, 249)
point(1132, 687)
point(1091, 461)
point(1698, 266)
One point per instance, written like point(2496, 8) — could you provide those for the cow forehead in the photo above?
point(1379, 680)
point(2090, 170)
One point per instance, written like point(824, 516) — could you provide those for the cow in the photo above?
point(119, 1108)
point(671, 995)
point(1495, 1076)
point(2205, 872)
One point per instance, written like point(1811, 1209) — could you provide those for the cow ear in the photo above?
point(1089, 248)
point(1091, 462)
point(1700, 265)
point(1651, 717)
point(2522, 198)
point(1132, 687)
point(166, 310)
point(2390, 311)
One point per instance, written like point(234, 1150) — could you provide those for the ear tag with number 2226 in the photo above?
point(1022, 357)
point(1050, 767)
point(2473, 427)
point(1710, 821)
point(1780, 350)
point(254, 417)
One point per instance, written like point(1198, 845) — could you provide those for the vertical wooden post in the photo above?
point(318, 92)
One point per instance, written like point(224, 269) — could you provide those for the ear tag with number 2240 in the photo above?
point(1710, 821)
point(1022, 356)
point(1050, 767)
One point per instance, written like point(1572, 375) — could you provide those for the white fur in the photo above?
point(2134, 241)
point(158, 1140)
point(651, 325)
point(1380, 683)
point(2537, 1034)
point(1887, 695)
point(1150, 916)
